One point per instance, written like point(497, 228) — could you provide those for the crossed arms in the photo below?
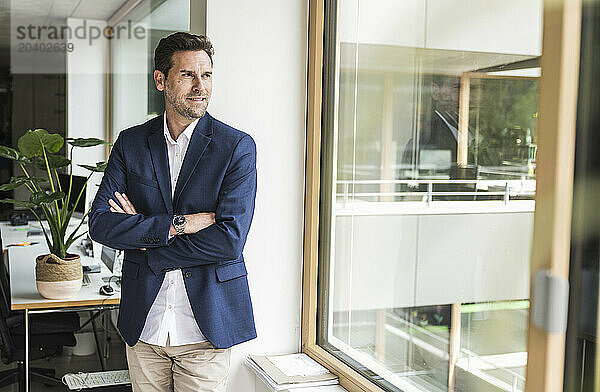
point(209, 237)
point(194, 222)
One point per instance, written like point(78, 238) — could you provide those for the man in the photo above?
point(178, 195)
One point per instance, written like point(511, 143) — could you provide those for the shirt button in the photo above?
point(170, 306)
point(170, 282)
point(188, 274)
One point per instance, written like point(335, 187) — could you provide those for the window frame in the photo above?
point(555, 168)
point(349, 378)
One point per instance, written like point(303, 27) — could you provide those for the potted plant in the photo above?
point(59, 273)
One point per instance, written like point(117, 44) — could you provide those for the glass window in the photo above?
point(134, 98)
point(428, 185)
point(582, 356)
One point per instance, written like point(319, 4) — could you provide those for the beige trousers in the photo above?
point(191, 367)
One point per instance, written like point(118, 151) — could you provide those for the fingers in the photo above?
point(125, 203)
point(129, 203)
point(126, 206)
point(114, 207)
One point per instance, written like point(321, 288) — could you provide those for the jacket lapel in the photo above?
point(198, 143)
point(158, 150)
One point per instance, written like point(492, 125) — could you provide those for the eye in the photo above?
point(207, 76)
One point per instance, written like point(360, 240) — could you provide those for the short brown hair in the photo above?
point(176, 42)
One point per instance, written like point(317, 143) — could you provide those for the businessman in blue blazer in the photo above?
point(178, 196)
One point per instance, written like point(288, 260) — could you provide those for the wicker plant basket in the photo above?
point(58, 278)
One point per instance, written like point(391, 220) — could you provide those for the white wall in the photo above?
point(260, 87)
point(130, 69)
point(86, 84)
point(477, 257)
point(509, 26)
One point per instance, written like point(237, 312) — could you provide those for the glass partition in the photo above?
point(428, 185)
point(134, 98)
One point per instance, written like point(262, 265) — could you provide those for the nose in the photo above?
point(199, 87)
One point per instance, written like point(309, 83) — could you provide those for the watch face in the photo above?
point(179, 220)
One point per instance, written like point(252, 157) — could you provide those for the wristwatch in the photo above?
point(179, 224)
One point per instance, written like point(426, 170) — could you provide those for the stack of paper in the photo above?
point(281, 372)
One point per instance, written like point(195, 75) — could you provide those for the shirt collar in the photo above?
point(187, 132)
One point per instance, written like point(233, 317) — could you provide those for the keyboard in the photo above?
point(96, 379)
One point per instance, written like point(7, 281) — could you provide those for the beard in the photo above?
point(186, 108)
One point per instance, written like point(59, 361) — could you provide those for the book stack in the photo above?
point(290, 371)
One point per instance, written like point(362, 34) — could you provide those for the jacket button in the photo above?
point(188, 274)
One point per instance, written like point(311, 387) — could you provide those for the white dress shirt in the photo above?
point(171, 314)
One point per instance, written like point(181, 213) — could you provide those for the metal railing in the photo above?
point(516, 378)
point(424, 190)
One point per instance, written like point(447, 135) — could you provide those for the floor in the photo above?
point(67, 362)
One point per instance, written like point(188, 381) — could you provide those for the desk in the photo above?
point(24, 294)
point(16, 234)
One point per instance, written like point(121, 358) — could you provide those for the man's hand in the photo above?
point(126, 206)
point(194, 222)
point(199, 221)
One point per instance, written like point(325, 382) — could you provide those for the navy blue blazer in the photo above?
point(218, 175)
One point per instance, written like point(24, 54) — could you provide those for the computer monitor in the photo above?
point(78, 184)
point(108, 257)
point(113, 259)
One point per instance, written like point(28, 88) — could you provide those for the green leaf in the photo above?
point(16, 182)
point(18, 203)
point(85, 142)
point(54, 161)
point(33, 142)
point(100, 167)
point(9, 186)
point(33, 180)
point(13, 184)
point(11, 153)
point(42, 197)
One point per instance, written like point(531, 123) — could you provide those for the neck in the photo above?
point(177, 123)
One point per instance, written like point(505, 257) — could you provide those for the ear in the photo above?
point(159, 80)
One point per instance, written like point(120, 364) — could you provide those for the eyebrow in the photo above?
point(190, 71)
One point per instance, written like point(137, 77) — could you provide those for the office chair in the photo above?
point(48, 334)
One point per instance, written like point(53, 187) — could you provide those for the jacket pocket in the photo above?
point(130, 270)
point(230, 271)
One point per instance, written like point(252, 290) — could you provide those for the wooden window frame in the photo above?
point(552, 222)
point(349, 378)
